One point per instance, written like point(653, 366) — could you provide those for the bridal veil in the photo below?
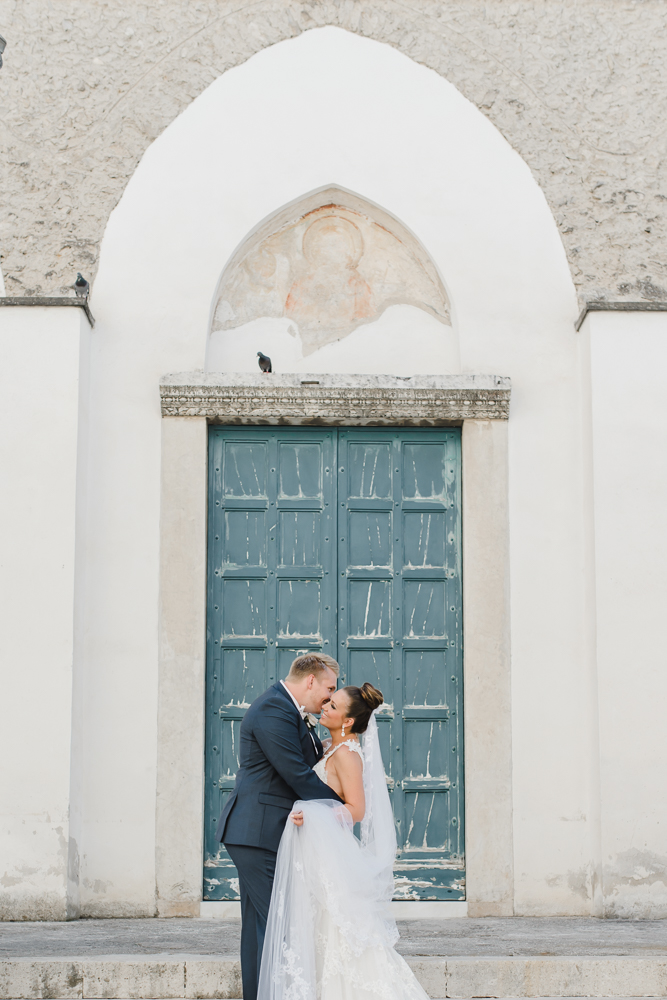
point(329, 919)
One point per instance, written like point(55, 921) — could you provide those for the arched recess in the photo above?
point(331, 283)
point(375, 122)
point(378, 124)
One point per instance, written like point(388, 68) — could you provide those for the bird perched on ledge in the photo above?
point(264, 362)
point(81, 286)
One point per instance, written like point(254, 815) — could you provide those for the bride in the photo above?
point(330, 934)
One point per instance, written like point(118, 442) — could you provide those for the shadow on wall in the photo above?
point(332, 283)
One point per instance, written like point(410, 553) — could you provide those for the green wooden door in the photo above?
point(399, 626)
point(347, 541)
point(271, 589)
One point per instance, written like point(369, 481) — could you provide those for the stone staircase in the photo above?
point(490, 957)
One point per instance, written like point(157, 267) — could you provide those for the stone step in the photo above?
point(174, 977)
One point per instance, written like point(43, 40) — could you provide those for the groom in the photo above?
point(278, 749)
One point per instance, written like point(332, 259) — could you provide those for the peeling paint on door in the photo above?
point(292, 511)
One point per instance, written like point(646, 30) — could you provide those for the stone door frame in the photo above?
point(480, 404)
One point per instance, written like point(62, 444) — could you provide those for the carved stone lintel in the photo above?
point(362, 400)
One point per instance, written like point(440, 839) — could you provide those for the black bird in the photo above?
point(264, 362)
point(81, 286)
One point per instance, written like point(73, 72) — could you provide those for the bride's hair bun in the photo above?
point(371, 696)
point(362, 703)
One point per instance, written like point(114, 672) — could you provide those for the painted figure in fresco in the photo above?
point(329, 271)
point(331, 295)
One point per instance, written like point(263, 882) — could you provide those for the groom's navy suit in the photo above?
point(277, 754)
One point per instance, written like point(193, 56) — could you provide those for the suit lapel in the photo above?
point(319, 749)
point(312, 736)
point(279, 686)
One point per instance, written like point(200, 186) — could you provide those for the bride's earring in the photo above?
point(342, 730)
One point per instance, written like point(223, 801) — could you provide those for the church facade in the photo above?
point(446, 226)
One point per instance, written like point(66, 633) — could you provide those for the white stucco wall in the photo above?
point(42, 385)
point(432, 344)
point(375, 123)
point(587, 477)
point(628, 358)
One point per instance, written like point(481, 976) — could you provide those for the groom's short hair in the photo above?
point(312, 663)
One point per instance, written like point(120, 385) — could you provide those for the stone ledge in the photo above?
point(362, 400)
point(48, 302)
point(620, 305)
point(574, 976)
point(213, 977)
point(121, 976)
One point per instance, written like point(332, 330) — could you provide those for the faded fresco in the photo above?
point(329, 272)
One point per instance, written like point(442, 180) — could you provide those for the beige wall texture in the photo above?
point(179, 812)
point(578, 89)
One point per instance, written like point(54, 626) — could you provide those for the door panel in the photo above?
point(369, 538)
point(347, 541)
point(423, 539)
point(271, 590)
point(299, 532)
point(430, 863)
point(399, 627)
point(368, 608)
point(369, 469)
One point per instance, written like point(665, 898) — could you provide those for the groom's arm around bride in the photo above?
point(276, 756)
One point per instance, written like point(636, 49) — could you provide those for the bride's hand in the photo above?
point(297, 818)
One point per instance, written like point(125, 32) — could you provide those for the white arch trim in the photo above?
point(379, 124)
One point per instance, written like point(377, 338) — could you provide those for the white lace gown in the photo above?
point(330, 934)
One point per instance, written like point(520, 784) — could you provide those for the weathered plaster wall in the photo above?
point(179, 823)
point(578, 89)
point(628, 358)
point(42, 381)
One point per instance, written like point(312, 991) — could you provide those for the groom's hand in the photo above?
point(297, 818)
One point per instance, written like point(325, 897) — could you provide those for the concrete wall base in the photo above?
point(213, 977)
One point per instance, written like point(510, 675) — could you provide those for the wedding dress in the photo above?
point(330, 934)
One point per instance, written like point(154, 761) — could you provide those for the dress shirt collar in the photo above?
point(300, 708)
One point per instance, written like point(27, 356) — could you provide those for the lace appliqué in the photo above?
point(320, 768)
point(331, 936)
point(374, 970)
point(298, 988)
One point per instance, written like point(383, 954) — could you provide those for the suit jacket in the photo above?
point(277, 754)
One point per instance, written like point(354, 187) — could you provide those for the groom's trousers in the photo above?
point(256, 868)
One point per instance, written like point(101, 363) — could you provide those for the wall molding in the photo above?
point(602, 305)
point(362, 400)
point(48, 301)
